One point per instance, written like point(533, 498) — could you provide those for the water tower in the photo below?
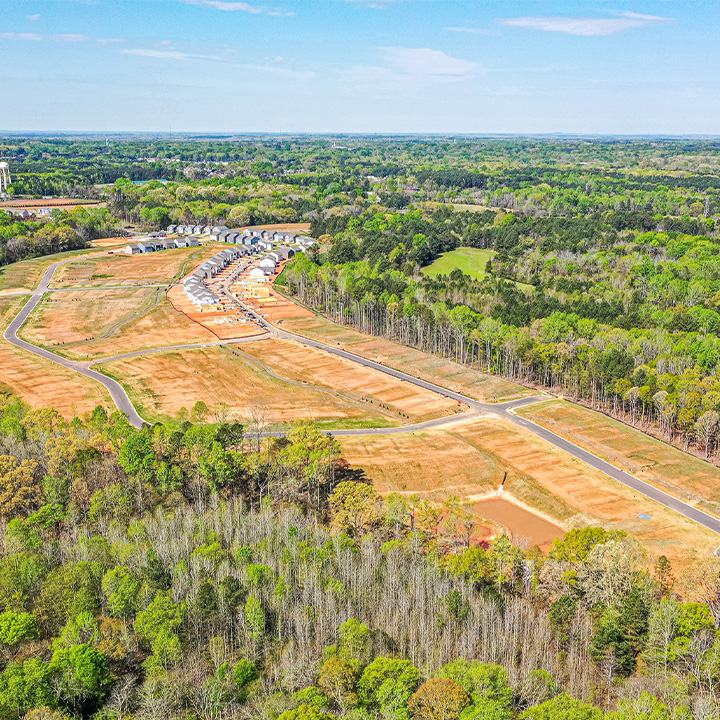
point(4, 177)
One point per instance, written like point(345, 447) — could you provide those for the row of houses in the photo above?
point(265, 240)
point(194, 229)
point(194, 285)
point(146, 246)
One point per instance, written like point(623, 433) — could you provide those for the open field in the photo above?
point(146, 269)
point(26, 274)
point(471, 261)
point(451, 375)
point(297, 362)
point(41, 383)
point(80, 315)
point(651, 460)
point(470, 459)
point(161, 383)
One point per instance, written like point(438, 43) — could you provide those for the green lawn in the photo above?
point(470, 260)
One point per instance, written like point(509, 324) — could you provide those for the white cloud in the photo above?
point(167, 54)
point(377, 4)
point(228, 6)
point(586, 27)
point(429, 65)
point(20, 36)
point(110, 41)
point(469, 30)
point(70, 38)
point(34, 18)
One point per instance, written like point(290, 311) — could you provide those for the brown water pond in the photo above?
point(524, 526)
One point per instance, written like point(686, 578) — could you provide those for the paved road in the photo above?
point(117, 392)
point(475, 408)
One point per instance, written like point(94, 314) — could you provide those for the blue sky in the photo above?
point(385, 66)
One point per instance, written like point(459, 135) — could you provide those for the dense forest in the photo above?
point(203, 572)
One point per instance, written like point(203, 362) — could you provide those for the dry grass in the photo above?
point(146, 269)
point(79, 315)
point(470, 461)
point(26, 275)
point(656, 462)
point(160, 326)
point(162, 383)
point(297, 362)
point(42, 383)
point(447, 373)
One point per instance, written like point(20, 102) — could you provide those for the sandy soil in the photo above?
point(645, 457)
point(26, 274)
point(162, 383)
point(41, 383)
point(445, 372)
point(470, 460)
point(294, 361)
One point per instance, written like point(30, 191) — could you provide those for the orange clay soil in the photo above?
point(42, 383)
point(297, 362)
point(164, 382)
point(469, 460)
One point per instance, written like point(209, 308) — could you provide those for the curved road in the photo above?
point(476, 408)
point(116, 390)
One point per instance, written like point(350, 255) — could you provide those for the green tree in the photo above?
point(80, 677)
point(562, 707)
point(254, 616)
point(386, 686)
point(121, 588)
point(353, 507)
point(305, 712)
point(15, 627)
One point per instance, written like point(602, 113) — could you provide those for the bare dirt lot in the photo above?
point(79, 315)
point(645, 457)
point(41, 383)
point(161, 383)
point(429, 367)
point(64, 203)
point(297, 362)
point(470, 460)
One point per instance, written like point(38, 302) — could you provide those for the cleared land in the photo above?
point(297, 362)
point(447, 373)
point(651, 460)
point(80, 315)
point(26, 274)
point(158, 326)
point(145, 269)
point(471, 261)
point(470, 459)
point(162, 383)
point(41, 383)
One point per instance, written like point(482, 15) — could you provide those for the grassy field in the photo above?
point(296, 362)
point(161, 383)
point(42, 383)
point(470, 459)
point(447, 373)
point(645, 457)
point(471, 261)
